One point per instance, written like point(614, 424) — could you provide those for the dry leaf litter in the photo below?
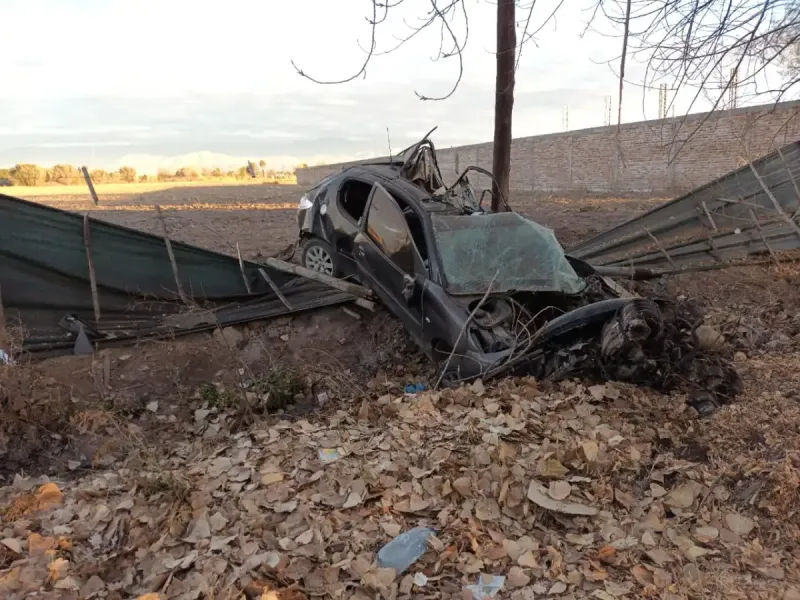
point(531, 490)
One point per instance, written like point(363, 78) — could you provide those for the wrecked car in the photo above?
point(481, 293)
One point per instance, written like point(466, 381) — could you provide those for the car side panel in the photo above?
point(387, 281)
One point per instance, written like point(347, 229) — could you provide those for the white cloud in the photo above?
point(204, 83)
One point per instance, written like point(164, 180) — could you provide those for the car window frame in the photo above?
point(340, 207)
point(418, 265)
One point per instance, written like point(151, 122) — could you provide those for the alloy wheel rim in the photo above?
point(317, 259)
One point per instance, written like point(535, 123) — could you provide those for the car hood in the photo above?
point(503, 250)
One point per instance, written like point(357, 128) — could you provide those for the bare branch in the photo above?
point(363, 70)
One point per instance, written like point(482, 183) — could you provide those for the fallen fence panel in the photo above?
point(747, 212)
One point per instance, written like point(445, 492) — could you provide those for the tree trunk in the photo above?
point(504, 100)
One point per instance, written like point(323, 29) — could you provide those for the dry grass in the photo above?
point(134, 188)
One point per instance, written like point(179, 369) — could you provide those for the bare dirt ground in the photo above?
point(157, 471)
point(261, 218)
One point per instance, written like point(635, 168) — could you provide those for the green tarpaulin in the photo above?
point(44, 276)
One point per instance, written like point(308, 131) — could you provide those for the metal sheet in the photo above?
point(731, 218)
point(44, 276)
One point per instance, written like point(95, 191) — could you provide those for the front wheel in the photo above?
point(317, 255)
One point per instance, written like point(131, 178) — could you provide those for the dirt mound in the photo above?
point(70, 410)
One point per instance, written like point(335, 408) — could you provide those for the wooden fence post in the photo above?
point(171, 254)
point(87, 244)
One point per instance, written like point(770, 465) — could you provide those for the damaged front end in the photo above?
point(634, 340)
point(550, 316)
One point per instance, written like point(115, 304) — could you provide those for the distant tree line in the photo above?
point(26, 174)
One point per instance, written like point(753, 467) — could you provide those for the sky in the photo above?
point(174, 83)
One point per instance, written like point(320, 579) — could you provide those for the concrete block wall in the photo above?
point(661, 157)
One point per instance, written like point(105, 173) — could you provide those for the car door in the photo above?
point(388, 259)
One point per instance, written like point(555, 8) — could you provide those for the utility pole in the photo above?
point(733, 88)
point(503, 100)
point(662, 101)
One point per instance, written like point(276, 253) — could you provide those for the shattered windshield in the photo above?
point(525, 255)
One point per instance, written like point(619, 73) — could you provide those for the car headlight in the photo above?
point(305, 203)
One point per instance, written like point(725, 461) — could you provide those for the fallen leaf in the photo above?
point(586, 539)
point(12, 544)
point(92, 587)
point(706, 534)
point(463, 485)
point(57, 569)
point(270, 478)
point(198, 530)
point(68, 583)
point(559, 587)
point(598, 392)
point(528, 560)
point(436, 543)
point(538, 495)
point(773, 572)
point(606, 553)
point(642, 575)
point(380, 578)
point(552, 469)
point(487, 510)
point(517, 577)
point(559, 490)
point(353, 500)
point(391, 529)
point(305, 537)
point(659, 556)
point(37, 544)
point(49, 496)
point(739, 524)
point(693, 552)
point(681, 497)
point(625, 499)
point(286, 507)
point(590, 450)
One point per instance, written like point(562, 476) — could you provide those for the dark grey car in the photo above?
point(479, 292)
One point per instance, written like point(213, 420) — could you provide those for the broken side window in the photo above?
point(353, 197)
point(387, 227)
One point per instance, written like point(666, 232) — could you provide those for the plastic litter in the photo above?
point(413, 388)
point(404, 550)
point(329, 455)
point(487, 586)
point(5, 357)
point(420, 579)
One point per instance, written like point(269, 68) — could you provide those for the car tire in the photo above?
point(317, 255)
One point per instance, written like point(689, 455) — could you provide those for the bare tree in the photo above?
point(708, 48)
point(451, 18)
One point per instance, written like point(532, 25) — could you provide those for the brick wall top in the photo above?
point(587, 160)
